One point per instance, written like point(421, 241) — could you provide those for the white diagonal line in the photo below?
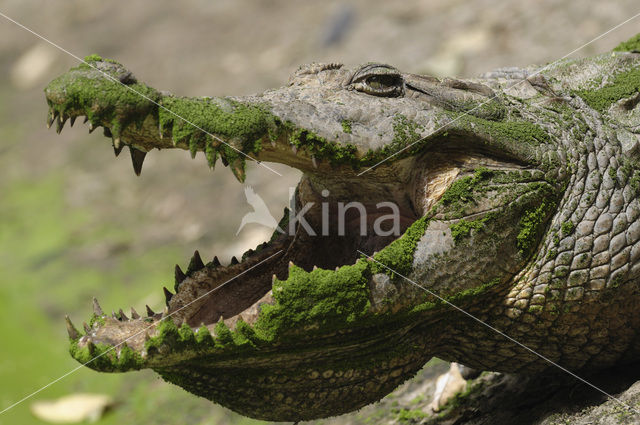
point(135, 334)
point(495, 95)
point(136, 92)
point(622, 403)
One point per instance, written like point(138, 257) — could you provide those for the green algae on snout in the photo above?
point(219, 127)
point(320, 148)
point(94, 89)
point(242, 126)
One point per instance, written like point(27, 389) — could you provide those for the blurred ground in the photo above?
point(75, 223)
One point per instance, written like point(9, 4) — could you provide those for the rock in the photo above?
point(73, 408)
point(447, 386)
point(551, 398)
point(546, 399)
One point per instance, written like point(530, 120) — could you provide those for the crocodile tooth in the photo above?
point(167, 294)
point(294, 149)
point(134, 313)
point(215, 261)
point(290, 264)
point(71, 330)
point(150, 313)
point(165, 312)
point(184, 322)
point(273, 143)
point(223, 158)
point(96, 308)
point(237, 168)
point(86, 118)
point(72, 120)
point(315, 267)
point(60, 124)
point(195, 264)
point(86, 327)
point(117, 143)
point(137, 158)
point(160, 130)
point(314, 162)
point(179, 275)
point(273, 278)
point(234, 260)
point(193, 147)
point(122, 315)
point(53, 114)
point(211, 154)
point(117, 150)
point(114, 315)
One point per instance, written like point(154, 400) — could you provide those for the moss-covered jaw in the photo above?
point(317, 128)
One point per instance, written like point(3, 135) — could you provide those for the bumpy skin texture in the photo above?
point(521, 208)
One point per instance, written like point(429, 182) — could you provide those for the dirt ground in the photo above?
point(231, 47)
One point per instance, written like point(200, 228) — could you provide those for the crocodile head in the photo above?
point(453, 185)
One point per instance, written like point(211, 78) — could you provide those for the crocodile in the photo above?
point(513, 243)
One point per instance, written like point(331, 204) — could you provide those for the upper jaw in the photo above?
point(318, 124)
point(269, 127)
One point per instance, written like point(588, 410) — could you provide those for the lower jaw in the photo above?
point(305, 379)
point(208, 294)
point(309, 384)
point(302, 378)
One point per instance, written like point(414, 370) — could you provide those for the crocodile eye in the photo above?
point(378, 80)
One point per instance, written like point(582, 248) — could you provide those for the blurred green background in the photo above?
point(76, 223)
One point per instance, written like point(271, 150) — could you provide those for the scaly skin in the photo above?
point(523, 212)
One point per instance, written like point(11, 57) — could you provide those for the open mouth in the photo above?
point(207, 294)
point(212, 298)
